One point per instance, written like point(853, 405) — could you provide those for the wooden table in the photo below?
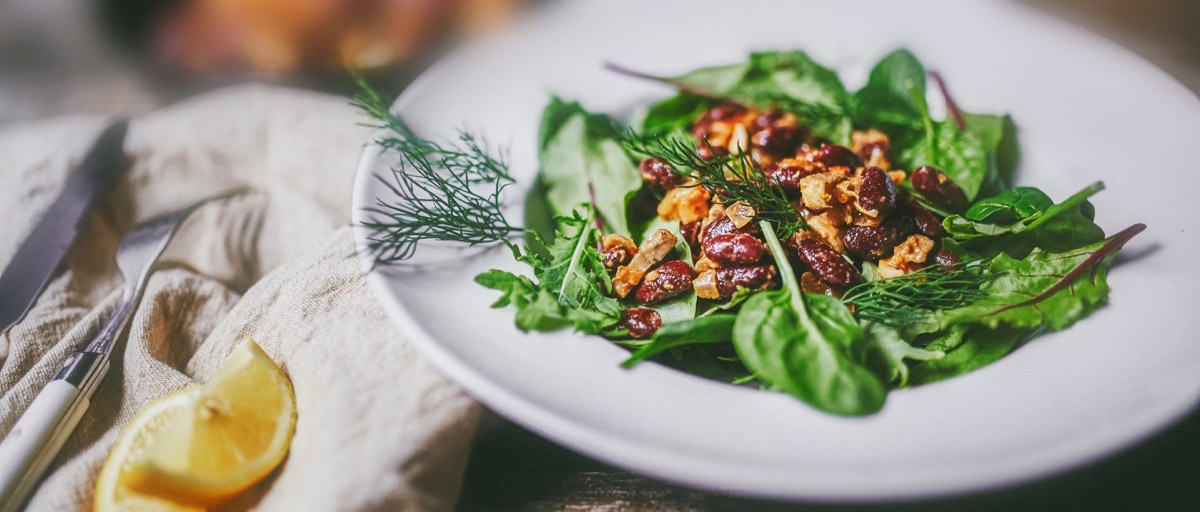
point(512, 469)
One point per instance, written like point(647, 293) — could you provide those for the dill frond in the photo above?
point(911, 298)
point(736, 177)
point(446, 191)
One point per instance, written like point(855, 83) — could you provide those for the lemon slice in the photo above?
point(204, 444)
point(111, 492)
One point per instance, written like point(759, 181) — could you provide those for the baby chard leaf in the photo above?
point(1044, 288)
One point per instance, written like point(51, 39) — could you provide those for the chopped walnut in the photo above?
point(652, 251)
point(817, 189)
point(741, 213)
point(705, 285)
point(686, 204)
point(897, 176)
point(906, 257)
point(828, 229)
point(872, 146)
point(704, 264)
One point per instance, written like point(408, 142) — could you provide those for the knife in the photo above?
point(38, 257)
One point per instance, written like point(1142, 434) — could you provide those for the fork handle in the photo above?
point(36, 438)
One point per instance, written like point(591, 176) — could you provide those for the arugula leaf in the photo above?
point(888, 351)
point(707, 329)
point(808, 346)
point(583, 162)
point(572, 287)
point(967, 349)
point(1018, 220)
point(1044, 288)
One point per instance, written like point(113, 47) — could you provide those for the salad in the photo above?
point(766, 226)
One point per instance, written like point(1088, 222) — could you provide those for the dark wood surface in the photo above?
point(512, 469)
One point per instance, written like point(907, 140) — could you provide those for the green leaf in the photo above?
point(572, 287)
point(574, 272)
point(889, 350)
point(514, 289)
point(979, 157)
point(1018, 220)
point(886, 102)
point(674, 116)
point(583, 162)
point(808, 346)
point(708, 329)
point(967, 349)
point(1044, 288)
point(789, 80)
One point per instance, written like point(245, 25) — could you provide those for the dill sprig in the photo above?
point(736, 177)
point(446, 191)
point(911, 298)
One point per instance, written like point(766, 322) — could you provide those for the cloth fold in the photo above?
point(377, 427)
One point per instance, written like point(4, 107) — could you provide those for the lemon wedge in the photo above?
point(203, 444)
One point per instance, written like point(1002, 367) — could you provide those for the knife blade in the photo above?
point(42, 251)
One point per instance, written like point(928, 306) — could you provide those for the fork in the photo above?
point(39, 434)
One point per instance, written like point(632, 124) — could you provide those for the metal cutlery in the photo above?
point(39, 434)
point(44, 248)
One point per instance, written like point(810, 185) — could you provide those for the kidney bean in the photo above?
point(877, 192)
point(706, 152)
point(945, 258)
point(734, 249)
point(691, 235)
point(776, 141)
point(641, 322)
point(657, 171)
point(755, 277)
point(725, 226)
point(827, 263)
point(831, 155)
point(725, 110)
point(668, 280)
point(935, 186)
point(870, 242)
point(768, 117)
point(928, 223)
point(615, 257)
point(787, 174)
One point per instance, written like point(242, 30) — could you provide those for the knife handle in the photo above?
point(36, 438)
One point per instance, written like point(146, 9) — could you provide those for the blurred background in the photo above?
point(73, 56)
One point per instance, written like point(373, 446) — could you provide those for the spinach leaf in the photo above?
point(886, 102)
point(789, 80)
point(708, 329)
point(572, 285)
point(1018, 220)
point(967, 349)
point(583, 162)
point(1044, 288)
point(674, 116)
point(808, 346)
point(979, 156)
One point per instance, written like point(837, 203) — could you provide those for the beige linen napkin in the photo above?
point(377, 427)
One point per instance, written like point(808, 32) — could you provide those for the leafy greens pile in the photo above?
point(1029, 264)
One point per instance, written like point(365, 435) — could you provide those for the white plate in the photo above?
point(1087, 110)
